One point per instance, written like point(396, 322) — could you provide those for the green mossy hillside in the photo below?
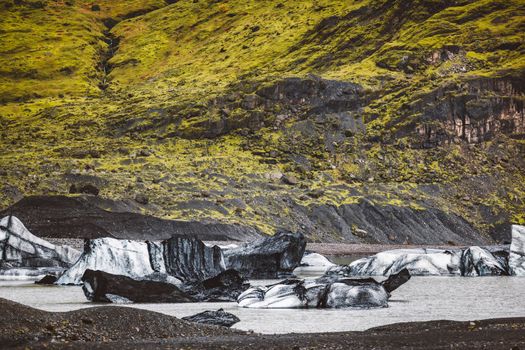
point(190, 108)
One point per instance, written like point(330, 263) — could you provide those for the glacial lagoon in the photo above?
point(420, 299)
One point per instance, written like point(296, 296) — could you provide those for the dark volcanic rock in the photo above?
point(313, 97)
point(86, 188)
point(20, 248)
point(267, 257)
point(218, 318)
point(84, 217)
point(100, 286)
point(94, 327)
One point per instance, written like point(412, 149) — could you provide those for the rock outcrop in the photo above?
point(517, 251)
point(475, 111)
point(217, 318)
point(101, 286)
point(324, 292)
point(20, 248)
point(269, 257)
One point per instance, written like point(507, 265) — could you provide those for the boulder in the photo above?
point(20, 248)
point(270, 257)
point(517, 251)
point(324, 292)
point(217, 318)
point(84, 188)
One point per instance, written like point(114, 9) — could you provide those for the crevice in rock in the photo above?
point(113, 43)
point(105, 57)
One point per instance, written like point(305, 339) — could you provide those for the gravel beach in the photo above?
point(111, 327)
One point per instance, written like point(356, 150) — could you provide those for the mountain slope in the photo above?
point(270, 114)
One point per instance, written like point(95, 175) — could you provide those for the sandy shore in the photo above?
point(112, 327)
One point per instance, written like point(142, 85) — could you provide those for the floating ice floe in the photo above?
point(324, 292)
point(20, 248)
point(29, 273)
point(313, 264)
point(101, 286)
point(269, 257)
point(517, 251)
point(472, 261)
point(115, 256)
point(315, 260)
point(180, 258)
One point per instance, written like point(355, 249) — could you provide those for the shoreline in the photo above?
point(107, 327)
point(331, 249)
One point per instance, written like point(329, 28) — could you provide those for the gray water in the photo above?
point(420, 299)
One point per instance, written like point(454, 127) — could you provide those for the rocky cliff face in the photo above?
point(474, 112)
